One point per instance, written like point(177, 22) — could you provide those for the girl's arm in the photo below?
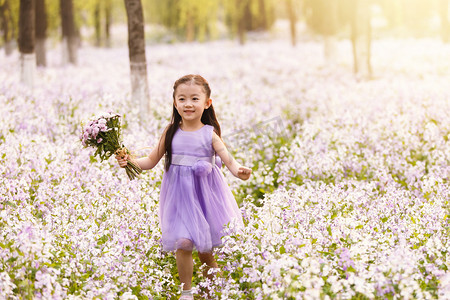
point(149, 162)
point(235, 168)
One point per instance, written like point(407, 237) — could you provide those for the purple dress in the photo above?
point(195, 200)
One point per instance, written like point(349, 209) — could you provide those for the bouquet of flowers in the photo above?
point(104, 134)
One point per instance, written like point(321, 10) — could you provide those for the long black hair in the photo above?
point(208, 116)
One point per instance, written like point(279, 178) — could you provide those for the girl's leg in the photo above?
point(185, 263)
point(208, 259)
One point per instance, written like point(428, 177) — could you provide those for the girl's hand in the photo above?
point(244, 173)
point(122, 160)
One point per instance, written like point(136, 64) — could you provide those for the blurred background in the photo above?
point(38, 28)
point(97, 21)
point(103, 23)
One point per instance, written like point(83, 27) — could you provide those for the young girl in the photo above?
point(195, 200)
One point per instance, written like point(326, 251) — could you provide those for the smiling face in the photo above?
point(190, 101)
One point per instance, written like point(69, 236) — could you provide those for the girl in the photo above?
point(195, 200)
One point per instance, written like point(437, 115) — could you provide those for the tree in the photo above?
point(361, 36)
point(7, 26)
point(26, 41)
point(108, 13)
point(322, 16)
point(331, 22)
point(189, 19)
point(248, 15)
point(98, 23)
point(69, 32)
point(292, 21)
point(327, 18)
point(138, 64)
point(102, 12)
point(41, 33)
point(242, 14)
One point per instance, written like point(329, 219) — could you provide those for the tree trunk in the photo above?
point(41, 33)
point(70, 40)
point(330, 29)
point(241, 31)
point(108, 9)
point(7, 27)
point(240, 19)
point(247, 16)
point(292, 21)
point(361, 37)
point(138, 64)
point(26, 42)
point(263, 24)
point(97, 24)
point(9, 47)
point(190, 27)
point(445, 24)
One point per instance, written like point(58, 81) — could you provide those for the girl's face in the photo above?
point(190, 101)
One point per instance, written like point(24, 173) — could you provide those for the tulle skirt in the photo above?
point(194, 209)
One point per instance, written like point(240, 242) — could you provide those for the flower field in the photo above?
point(349, 197)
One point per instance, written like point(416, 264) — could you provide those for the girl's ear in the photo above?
point(208, 103)
point(174, 103)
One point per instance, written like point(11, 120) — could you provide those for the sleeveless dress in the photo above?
point(195, 200)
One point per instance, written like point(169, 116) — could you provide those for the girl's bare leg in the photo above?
point(208, 259)
point(185, 267)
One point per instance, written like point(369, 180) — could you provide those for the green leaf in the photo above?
point(334, 215)
point(92, 159)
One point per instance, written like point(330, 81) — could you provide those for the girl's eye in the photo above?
point(195, 99)
point(180, 99)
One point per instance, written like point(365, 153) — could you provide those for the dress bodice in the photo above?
point(194, 143)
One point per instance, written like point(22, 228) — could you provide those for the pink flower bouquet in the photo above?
point(104, 134)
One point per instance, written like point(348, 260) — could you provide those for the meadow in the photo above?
point(349, 197)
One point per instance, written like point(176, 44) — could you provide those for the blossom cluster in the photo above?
point(339, 241)
point(104, 134)
point(349, 196)
point(91, 131)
